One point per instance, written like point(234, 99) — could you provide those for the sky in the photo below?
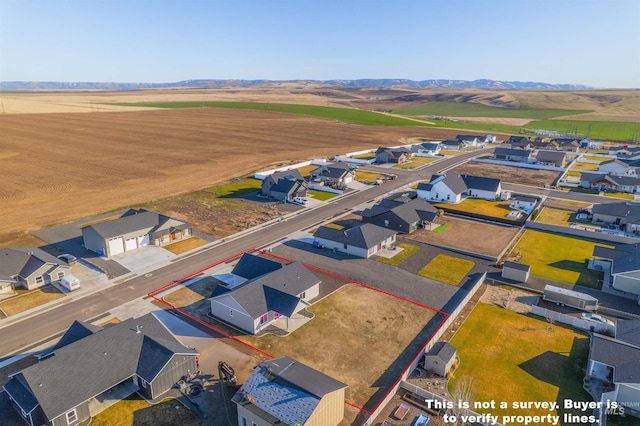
point(590, 42)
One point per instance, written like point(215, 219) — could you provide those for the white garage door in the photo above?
point(143, 241)
point(116, 246)
point(130, 244)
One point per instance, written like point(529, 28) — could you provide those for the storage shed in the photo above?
point(441, 359)
point(516, 271)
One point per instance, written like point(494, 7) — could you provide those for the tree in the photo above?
point(462, 392)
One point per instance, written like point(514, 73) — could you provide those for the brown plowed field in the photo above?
point(56, 168)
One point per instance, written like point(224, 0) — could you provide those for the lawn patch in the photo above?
point(512, 357)
point(238, 188)
point(498, 209)
point(305, 171)
point(447, 269)
point(408, 165)
point(424, 159)
point(133, 410)
point(366, 177)
point(559, 258)
point(185, 245)
point(367, 156)
point(407, 252)
point(30, 299)
point(620, 195)
point(556, 216)
point(586, 166)
point(441, 228)
point(321, 195)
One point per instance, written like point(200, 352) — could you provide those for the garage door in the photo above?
point(116, 246)
point(130, 244)
point(143, 241)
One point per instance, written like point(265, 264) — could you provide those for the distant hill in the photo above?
point(209, 84)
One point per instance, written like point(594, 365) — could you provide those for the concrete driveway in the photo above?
point(143, 258)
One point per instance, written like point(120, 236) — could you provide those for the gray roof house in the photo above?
point(472, 140)
point(625, 266)
point(402, 217)
point(134, 229)
point(363, 240)
point(614, 166)
point(625, 213)
point(614, 183)
point(615, 360)
point(30, 268)
point(451, 187)
point(552, 158)
point(441, 359)
point(272, 294)
point(285, 391)
point(427, 148)
point(520, 142)
point(139, 354)
point(511, 154)
point(336, 175)
point(392, 155)
point(285, 185)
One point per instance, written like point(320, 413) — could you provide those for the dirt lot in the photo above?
point(469, 235)
point(509, 174)
point(61, 167)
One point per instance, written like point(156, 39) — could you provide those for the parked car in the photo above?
point(68, 258)
point(299, 200)
point(596, 318)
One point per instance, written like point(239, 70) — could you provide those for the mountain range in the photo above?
point(211, 84)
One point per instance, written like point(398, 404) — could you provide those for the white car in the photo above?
point(299, 200)
point(596, 318)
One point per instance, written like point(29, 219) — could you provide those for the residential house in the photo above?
point(524, 203)
point(134, 229)
point(336, 175)
point(285, 391)
point(427, 148)
point(138, 355)
point(393, 155)
point(552, 158)
point(614, 360)
point(626, 214)
point(616, 167)
point(539, 143)
point(453, 145)
point(285, 185)
point(441, 359)
point(272, 292)
point(472, 140)
point(520, 142)
point(451, 187)
point(511, 154)
point(363, 240)
point(613, 183)
point(624, 151)
point(567, 144)
point(29, 268)
point(402, 216)
point(625, 266)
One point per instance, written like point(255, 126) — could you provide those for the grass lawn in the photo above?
point(135, 411)
point(305, 171)
point(447, 269)
point(585, 166)
point(593, 158)
point(619, 195)
point(321, 195)
point(366, 177)
point(424, 159)
point(441, 228)
point(352, 325)
point(185, 245)
point(559, 258)
point(367, 156)
point(407, 252)
point(30, 299)
point(574, 173)
point(408, 165)
point(556, 216)
point(512, 357)
point(448, 152)
point(479, 206)
point(238, 188)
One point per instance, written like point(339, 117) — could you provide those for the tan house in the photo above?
point(29, 268)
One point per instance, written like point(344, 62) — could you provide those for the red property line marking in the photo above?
point(224, 333)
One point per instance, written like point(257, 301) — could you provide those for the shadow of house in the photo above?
point(586, 278)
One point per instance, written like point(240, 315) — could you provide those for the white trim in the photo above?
point(75, 416)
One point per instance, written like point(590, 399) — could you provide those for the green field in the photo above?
point(238, 188)
point(559, 258)
point(349, 115)
point(614, 130)
point(513, 357)
point(470, 109)
point(447, 269)
point(407, 251)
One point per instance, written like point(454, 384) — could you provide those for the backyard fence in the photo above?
point(592, 235)
point(325, 188)
point(572, 321)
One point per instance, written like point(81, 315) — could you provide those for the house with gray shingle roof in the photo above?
point(134, 229)
point(441, 359)
point(285, 391)
point(139, 354)
point(452, 187)
point(613, 183)
point(625, 266)
point(336, 175)
point(363, 240)
point(552, 158)
point(616, 167)
point(285, 185)
point(625, 214)
point(29, 268)
point(511, 154)
point(427, 148)
point(614, 360)
point(272, 293)
point(392, 155)
point(402, 216)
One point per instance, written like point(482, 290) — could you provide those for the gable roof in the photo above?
point(628, 331)
point(470, 137)
point(624, 258)
point(138, 221)
point(443, 350)
point(481, 183)
point(286, 389)
point(622, 356)
point(512, 151)
point(293, 174)
point(551, 155)
point(333, 171)
point(251, 266)
point(78, 330)
point(624, 209)
point(25, 261)
point(453, 181)
point(90, 365)
point(409, 212)
point(615, 161)
point(363, 236)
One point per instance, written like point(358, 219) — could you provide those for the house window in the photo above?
point(386, 223)
point(230, 313)
point(264, 318)
point(448, 197)
point(72, 416)
point(60, 275)
point(39, 280)
point(243, 422)
point(345, 246)
point(303, 295)
point(143, 382)
point(253, 424)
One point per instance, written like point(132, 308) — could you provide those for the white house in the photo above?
point(524, 203)
point(451, 187)
point(615, 167)
point(363, 241)
point(625, 266)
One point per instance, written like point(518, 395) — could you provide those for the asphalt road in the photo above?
point(16, 337)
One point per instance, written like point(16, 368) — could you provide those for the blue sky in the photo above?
point(596, 43)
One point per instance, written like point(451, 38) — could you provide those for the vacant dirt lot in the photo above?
point(61, 167)
point(469, 235)
point(509, 174)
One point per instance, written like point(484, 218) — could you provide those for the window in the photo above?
point(303, 295)
point(230, 313)
point(345, 246)
point(60, 275)
point(143, 382)
point(39, 280)
point(386, 223)
point(448, 197)
point(72, 416)
point(243, 422)
point(264, 318)
point(253, 424)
